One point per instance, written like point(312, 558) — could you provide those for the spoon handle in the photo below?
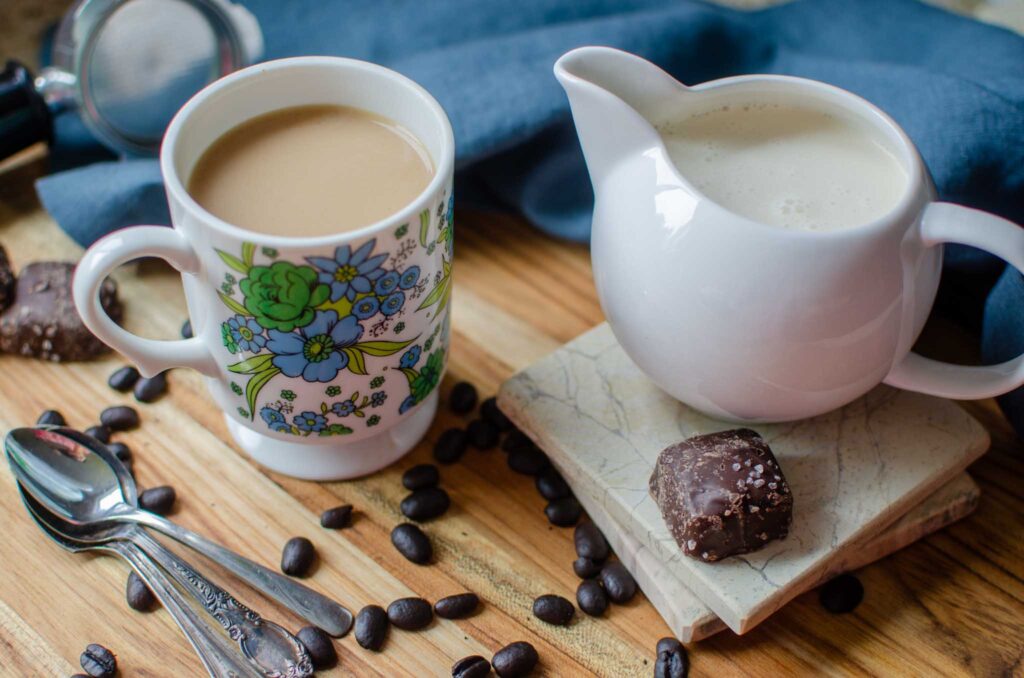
point(271, 648)
point(217, 656)
point(314, 607)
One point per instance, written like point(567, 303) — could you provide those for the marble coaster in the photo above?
point(853, 472)
point(691, 620)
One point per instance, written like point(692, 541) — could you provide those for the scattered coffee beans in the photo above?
point(371, 627)
point(186, 330)
point(515, 659)
point(412, 543)
point(410, 614)
point(483, 435)
point(589, 541)
point(552, 486)
point(586, 568)
point(51, 418)
point(842, 594)
point(451, 446)
point(98, 661)
point(137, 594)
point(672, 660)
point(515, 440)
point(319, 646)
point(459, 606)
point(123, 379)
point(158, 499)
point(420, 476)
point(528, 460)
point(99, 432)
point(553, 610)
point(618, 582)
point(425, 504)
point(119, 418)
point(489, 411)
point(591, 598)
point(564, 512)
point(473, 666)
point(121, 451)
point(337, 517)
point(463, 398)
point(148, 390)
point(297, 556)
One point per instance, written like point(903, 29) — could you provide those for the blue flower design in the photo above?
point(410, 358)
point(343, 409)
point(366, 307)
point(314, 352)
point(350, 273)
point(275, 420)
point(406, 405)
point(409, 278)
point(378, 398)
point(310, 421)
point(386, 284)
point(393, 304)
point(247, 333)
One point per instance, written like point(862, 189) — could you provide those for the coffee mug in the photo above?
point(324, 353)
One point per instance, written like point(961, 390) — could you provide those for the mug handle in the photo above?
point(152, 356)
point(944, 222)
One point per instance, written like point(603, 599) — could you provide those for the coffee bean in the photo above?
point(591, 598)
point(552, 486)
point(589, 541)
point(489, 411)
point(586, 568)
point(148, 390)
point(451, 445)
point(425, 504)
point(553, 610)
point(119, 418)
point(420, 476)
point(672, 660)
point(158, 500)
point(51, 418)
point(515, 440)
point(473, 666)
point(410, 614)
point(483, 435)
point(186, 330)
point(842, 594)
point(618, 582)
point(319, 646)
point(337, 517)
point(137, 594)
point(99, 432)
point(462, 398)
point(98, 661)
point(371, 627)
point(515, 659)
point(123, 379)
point(412, 543)
point(564, 512)
point(297, 556)
point(459, 606)
point(528, 460)
point(121, 451)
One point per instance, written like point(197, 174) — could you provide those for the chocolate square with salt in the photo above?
point(722, 494)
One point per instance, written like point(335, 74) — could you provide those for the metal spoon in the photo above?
point(77, 478)
point(219, 657)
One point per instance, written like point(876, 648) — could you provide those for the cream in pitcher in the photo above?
point(767, 248)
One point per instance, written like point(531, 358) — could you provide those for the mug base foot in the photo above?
point(336, 461)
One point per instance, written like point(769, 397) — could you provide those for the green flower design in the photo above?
point(401, 230)
point(287, 395)
point(428, 344)
point(269, 252)
point(244, 413)
point(282, 296)
point(333, 391)
point(376, 382)
point(373, 421)
point(399, 327)
point(229, 341)
point(236, 388)
point(429, 375)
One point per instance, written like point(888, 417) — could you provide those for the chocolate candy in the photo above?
point(722, 494)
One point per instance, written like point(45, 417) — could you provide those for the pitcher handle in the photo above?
point(945, 222)
point(152, 356)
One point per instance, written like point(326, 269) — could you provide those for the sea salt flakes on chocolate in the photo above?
point(714, 496)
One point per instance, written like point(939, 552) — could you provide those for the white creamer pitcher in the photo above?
point(751, 322)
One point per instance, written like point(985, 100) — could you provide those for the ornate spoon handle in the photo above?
point(271, 648)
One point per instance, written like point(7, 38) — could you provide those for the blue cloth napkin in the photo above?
point(955, 85)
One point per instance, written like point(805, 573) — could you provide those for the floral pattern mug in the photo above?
point(324, 353)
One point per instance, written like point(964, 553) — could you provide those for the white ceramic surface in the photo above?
point(323, 352)
point(749, 322)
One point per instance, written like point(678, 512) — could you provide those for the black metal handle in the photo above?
point(24, 116)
